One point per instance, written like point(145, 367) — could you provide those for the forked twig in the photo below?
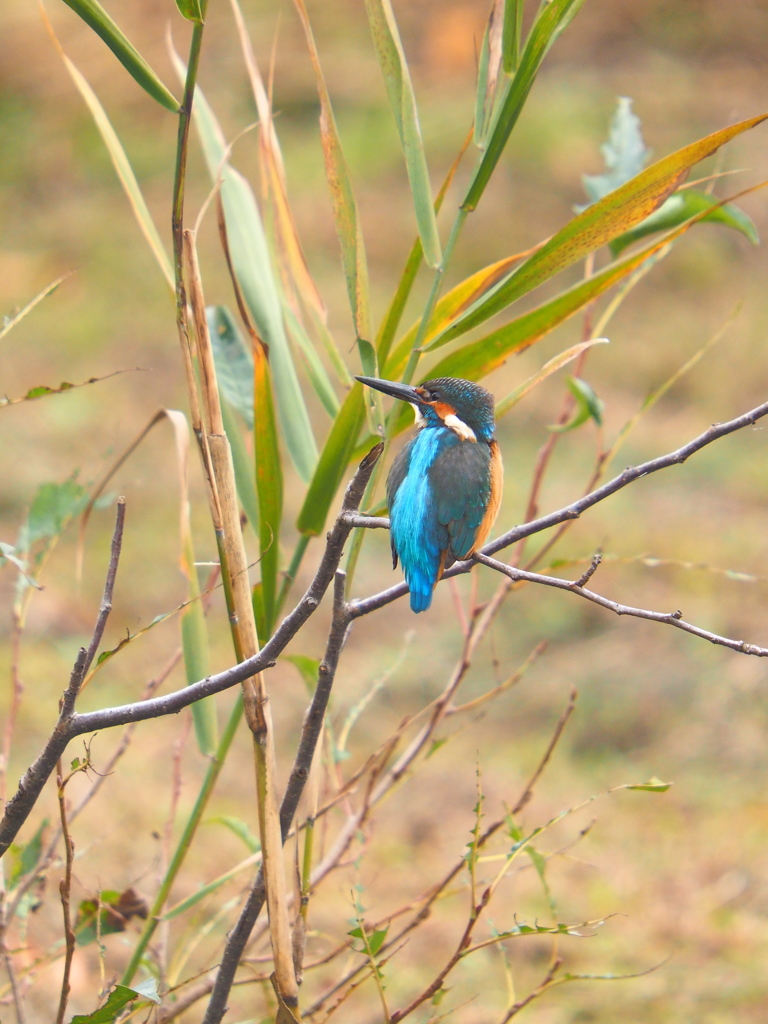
point(34, 779)
point(573, 511)
point(562, 721)
point(240, 934)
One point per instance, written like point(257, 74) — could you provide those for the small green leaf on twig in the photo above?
point(307, 667)
point(240, 829)
point(372, 942)
point(119, 998)
point(53, 507)
point(679, 208)
point(26, 857)
point(588, 406)
point(653, 785)
point(41, 390)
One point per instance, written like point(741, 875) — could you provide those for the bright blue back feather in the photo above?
point(413, 525)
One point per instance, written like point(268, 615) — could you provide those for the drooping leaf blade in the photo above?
point(597, 226)
point(124, 170)
point(551, 366)
point(253, 268)
point(397, 78)
point(346, 216)
point(94, 15)
point(194, 629)
point(477, 359)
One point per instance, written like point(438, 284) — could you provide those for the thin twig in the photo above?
point(83, 664)
point(463, 946)
point(65, 889)
point(310, 734)
point(34, 779)
point(674, 618)
point(47, 857)
point(562, 721)
point(16, 994)
point(17, 692)
point(543, 985)
point(568, 512)
point(30, 786)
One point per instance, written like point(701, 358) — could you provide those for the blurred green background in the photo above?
point(687, 871)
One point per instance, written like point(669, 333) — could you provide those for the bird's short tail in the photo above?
point(422, 583)
point(421, 600)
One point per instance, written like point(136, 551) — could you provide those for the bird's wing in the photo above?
point(397, 474)
point(461, 485)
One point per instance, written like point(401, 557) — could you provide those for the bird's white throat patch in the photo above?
point(465, 432)
point(452, 421)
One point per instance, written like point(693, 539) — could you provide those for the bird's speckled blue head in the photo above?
point(462, 405)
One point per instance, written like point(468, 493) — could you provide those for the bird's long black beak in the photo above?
point(405, 392)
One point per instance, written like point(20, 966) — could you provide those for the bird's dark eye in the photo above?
point(430, 395)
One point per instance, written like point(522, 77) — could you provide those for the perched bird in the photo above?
point(444, 488)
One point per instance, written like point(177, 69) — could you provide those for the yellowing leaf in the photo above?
point(596, 226)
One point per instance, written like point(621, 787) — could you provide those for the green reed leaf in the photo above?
point(94, 15)
point(397, 78)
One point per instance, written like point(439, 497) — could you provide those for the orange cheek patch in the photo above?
point(443, 409)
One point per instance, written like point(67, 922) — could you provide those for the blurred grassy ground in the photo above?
point(687, 871)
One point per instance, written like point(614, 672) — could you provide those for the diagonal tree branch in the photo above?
point(67, 728)
point(30, 786)
point(668, 618)
point(573, 511)
point(313, 724)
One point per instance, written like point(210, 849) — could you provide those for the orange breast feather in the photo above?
point(497, 486)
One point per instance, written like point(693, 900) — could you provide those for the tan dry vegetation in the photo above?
point(685, 872)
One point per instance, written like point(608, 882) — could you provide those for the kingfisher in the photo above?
point(444, 487)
